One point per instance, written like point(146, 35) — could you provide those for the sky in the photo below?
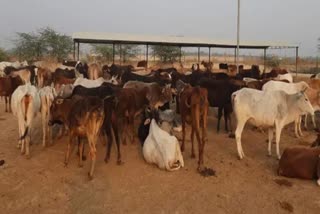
point(290, 21)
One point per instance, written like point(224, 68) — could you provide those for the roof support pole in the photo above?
point(74, 50)
point(78, 55)
point(238, 36)
point(198, 54)
point(120, 52)
point(147, 54)
point(297, 56)
point(235, 55)
point(180, 54)
point(209, 54)
point(264, 59)
point(113, 52)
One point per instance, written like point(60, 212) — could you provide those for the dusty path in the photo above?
point(43, 185)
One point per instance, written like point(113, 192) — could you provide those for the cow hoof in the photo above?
point(106, 160)
point(22, 153)
point(65, 164)
point(27, 157)
point(119, 162)
point(2, 162)
point(90, 176)
point(182, 148)
point(193, 156)
point(279, 157)
point(80, 165)
point(84, 158)
point(231, 135)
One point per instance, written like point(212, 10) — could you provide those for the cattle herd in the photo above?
point(90, 101)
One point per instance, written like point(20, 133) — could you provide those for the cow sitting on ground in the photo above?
point(162, 149)
point(270, 109)
point(25, 104)
point(300, 162)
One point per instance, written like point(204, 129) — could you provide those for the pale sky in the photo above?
point(292, 21)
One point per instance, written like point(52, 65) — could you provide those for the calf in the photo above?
point(270, 109)
point(300, 162)
point(194, 110)
point(25, 104)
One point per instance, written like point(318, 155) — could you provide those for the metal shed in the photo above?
point(180, 41)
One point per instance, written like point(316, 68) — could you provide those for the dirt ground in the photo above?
point(43, 185)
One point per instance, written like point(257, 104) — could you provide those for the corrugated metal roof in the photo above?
point(94, 37)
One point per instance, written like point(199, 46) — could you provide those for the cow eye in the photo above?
point(306, 99)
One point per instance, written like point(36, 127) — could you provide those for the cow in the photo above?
point(79, 66)
point(7, 86)
point(25, 105)
point(47, 95)
point(194, 110)
point(85, 119)
point(207, 65)
point(44, 77)
point(292, 88)
point(130, 76)
point(274, 73)
point(270, 109)
point(156, 95)
point(300, 162)
point(118, 70)
point(88, 83)
point(26, 73)
point(219, 95)
point(16, 64)
point(143, 64)
point(162, 149)
point(223, 66)
point(94, 71)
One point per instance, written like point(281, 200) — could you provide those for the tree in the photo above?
point(127, 51)
point(104, 50)
point(46, 42)
point(3, 55)
point(166, 53)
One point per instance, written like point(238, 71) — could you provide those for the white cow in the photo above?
point(88, 83)
point(292, 88)
point(47, 95)
point(162, 149)
point(16, 64)
point(25, 104)
point(287, 77)
point(270, 109)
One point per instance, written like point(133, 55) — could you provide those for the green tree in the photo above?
point(46, 42)
point(3, 55)
point(166, 53)
point(127, 51)
point(104, 50)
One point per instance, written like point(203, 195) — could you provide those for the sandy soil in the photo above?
point(43, 185)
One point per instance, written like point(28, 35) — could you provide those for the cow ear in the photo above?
point(147, 121)
point(59, 101)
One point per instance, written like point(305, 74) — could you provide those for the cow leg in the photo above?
point(204, 135)
point(66, 161)
point(183, 124)
point(226, 119)
point(116, 136)
point(92, 145)
point(318, 171)
point(109, 144)
point(10, 110)
point(270, 137)
point(296, 128)
point(299, 127)
point(313, 121)
point(192, 146)
point(219, 118)
point(131, 124)
point(80, 152)
point(238, 133)
point(306, 121)
point(44, 127)
point(27, 142)
point(6, 103)
point(124, 131)
point(278, 134)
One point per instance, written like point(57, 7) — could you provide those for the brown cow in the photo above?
point(94, 71)
point(44, 77)
point(143, 64)
point(85, 119)
point(7, 86)
point(208, 65)
point(300, 162)
point(194, 110)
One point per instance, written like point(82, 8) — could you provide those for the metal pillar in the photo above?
point(235, 55)
point(74, 50)
point(198, 54)
point(264, 59)
point(113, 52)
point(78, 56)
point(297, 56)
point(238, 36)
point(120, 53)
point(147, 54)
point(180, 55)
point(209, 54)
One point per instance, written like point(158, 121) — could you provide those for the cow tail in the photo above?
point(24, 134)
